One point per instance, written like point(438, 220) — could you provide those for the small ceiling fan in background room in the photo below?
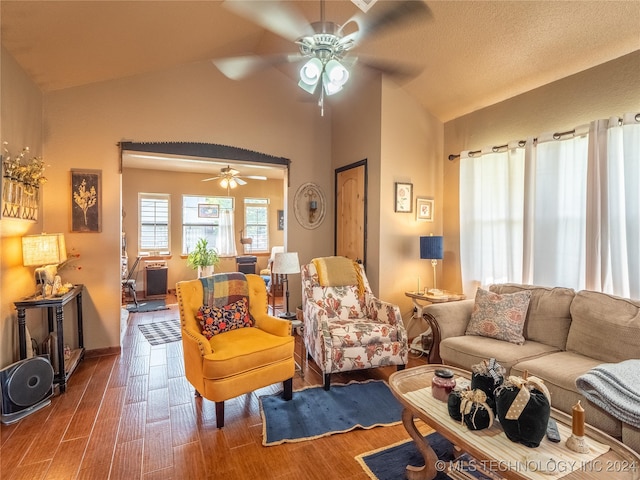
point(323, 46)
point(231, 178)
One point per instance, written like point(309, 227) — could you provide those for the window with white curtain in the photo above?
point(202, 218)
point(561, 211)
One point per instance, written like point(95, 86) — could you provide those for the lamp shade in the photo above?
point(45, 249)
point(286, 262)
point(431, 248)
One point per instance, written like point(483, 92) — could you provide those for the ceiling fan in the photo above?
point(231, 178)
point(324, 47)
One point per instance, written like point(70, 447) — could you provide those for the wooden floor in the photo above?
point(134, 416)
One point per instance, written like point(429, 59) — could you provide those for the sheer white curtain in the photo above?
point(559, 210)
point(226, 242)
point(491, 217)
point(570, 216)
point(613, 225)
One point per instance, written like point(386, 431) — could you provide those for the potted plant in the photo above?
point(203, 258)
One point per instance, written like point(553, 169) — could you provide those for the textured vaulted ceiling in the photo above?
point(472, 53)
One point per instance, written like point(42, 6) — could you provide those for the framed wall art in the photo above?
point(280, 219)
point(207, 210)
point(404, 197)
point(424, 209)
point(86, 200)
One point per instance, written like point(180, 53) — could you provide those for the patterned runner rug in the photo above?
point(157, 333)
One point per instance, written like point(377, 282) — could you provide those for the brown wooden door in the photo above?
point(351, 211)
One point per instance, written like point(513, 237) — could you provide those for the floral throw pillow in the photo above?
point(499, 316)
point(214, 320)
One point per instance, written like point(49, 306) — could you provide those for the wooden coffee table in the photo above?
point(619, 462)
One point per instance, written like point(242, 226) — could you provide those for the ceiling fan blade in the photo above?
point(209, 179)
point(401, 72)
point(377, 21)
point(239, 181)
point(278, 17)
point(237, 68)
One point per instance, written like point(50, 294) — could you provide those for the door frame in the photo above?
point(337, 171)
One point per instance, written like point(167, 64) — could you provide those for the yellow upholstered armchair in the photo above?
point(239, 360)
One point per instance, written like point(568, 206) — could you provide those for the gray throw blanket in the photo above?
point(616, 388)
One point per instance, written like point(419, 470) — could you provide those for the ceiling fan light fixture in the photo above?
point(310, 74)
point(233, 183)
point(334, 77)
point(224, 183)
point(330, 87)
point(337, 72)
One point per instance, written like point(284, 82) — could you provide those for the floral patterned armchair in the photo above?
point(347, 328)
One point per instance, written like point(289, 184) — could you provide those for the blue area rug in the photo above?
point(389, 463)
point(314, 412)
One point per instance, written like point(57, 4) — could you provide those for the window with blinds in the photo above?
point(256, 224)
point(154, 223)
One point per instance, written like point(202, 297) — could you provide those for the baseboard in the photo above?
point(101, 352)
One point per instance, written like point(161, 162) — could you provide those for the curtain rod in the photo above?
point(521, 143)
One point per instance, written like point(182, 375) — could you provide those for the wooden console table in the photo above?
point(54, 304)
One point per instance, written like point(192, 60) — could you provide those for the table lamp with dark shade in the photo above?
point(431, 248)
point(286, 263)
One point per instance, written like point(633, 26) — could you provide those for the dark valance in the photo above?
point(203, 150)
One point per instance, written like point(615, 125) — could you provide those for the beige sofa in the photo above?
point(566, 334)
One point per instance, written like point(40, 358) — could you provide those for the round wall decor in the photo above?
point(309, 205)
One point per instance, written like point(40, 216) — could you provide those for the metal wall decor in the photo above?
point(22, 176)
point(309, 205)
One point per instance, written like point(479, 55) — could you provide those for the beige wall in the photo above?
point(355, 137)
point(21, 126)
point(411, 149)
point(606, 90)
point(82, 126)
point(402, 143)
point(176, 184)
point(192, 103)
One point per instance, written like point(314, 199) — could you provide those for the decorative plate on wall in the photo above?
point(309, 205)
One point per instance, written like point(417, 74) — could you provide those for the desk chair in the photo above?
point(129, 283)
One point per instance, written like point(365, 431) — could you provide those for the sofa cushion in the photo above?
point(549, 317)
point(499, 316)
point(559, 372)
point(214, 320)
point(239, 351)
point(466, 350)
point(597, 317)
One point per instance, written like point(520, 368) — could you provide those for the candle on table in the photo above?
point(577, 427)
point(418, 285)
